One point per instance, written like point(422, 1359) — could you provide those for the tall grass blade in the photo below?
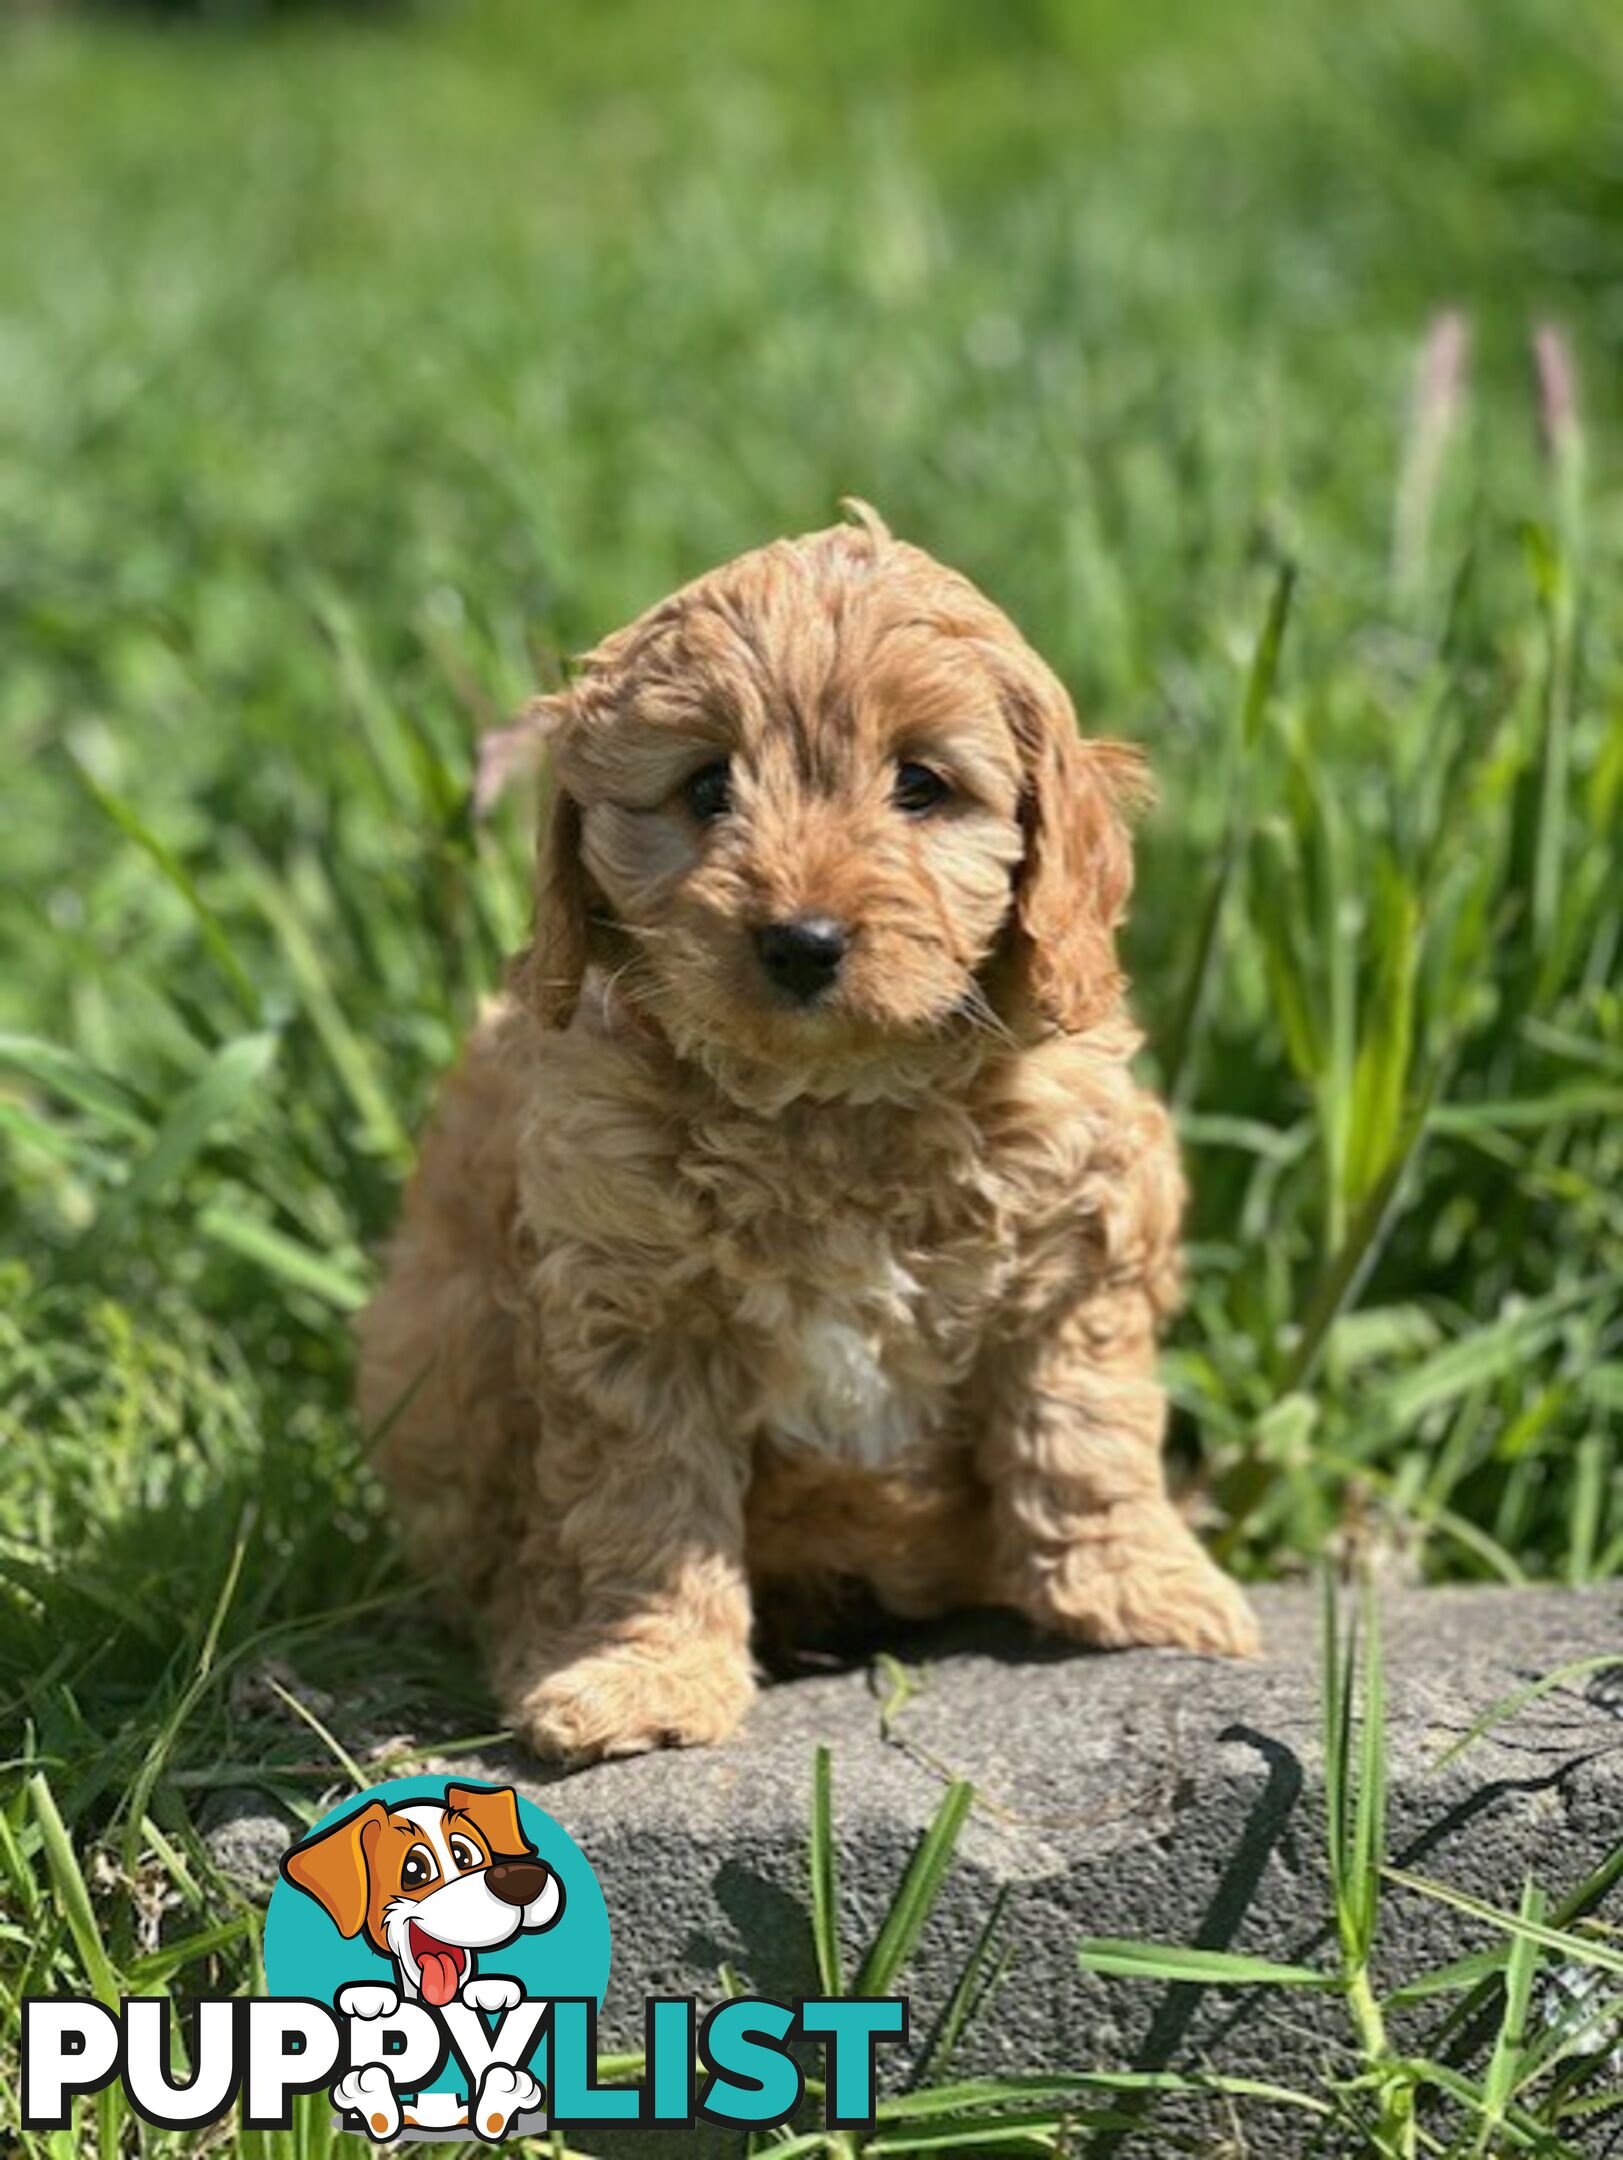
point(352, 1059)
point(72, 1894)
point(231, 1076)
point(285, 1257)
point(1381, 1068)
point(1580, 1949)
point(824, 1884)
point(179, 879)
point(1511, 1705)
point(1504, 2071)
point(977, 1982)
point(920, 1887)
point(1127, 1960)
point(1184, 1028)
point(139, 1798)
point(1369, 1828)
point(75, 1079)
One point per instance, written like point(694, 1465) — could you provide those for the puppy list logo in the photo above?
point(420, 1913)
point(436, 1955)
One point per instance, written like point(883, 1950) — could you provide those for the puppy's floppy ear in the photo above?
point(548, 975)
point(494, 1815)
point(1073, 885)
point(333, 1868)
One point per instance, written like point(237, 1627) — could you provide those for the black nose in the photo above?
point(803, 955)
point(516, 1882)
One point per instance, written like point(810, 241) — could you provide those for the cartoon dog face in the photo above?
point(430, 1883)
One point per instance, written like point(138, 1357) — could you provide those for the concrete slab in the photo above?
point(1149, 1794)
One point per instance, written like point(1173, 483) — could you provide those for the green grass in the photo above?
point(1542, 2068)
point(352, 370)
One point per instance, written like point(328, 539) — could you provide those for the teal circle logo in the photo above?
point(449, 1896)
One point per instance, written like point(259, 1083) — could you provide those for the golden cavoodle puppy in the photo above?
point(795, 1219)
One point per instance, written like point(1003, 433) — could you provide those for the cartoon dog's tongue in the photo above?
point(440, 1965)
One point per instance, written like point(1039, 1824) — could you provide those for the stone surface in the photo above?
point(1151, 1794)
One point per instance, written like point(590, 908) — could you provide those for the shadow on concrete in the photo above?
point(1266, 1826)
point(795, 1643)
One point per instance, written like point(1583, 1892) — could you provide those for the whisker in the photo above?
point(978, 1010)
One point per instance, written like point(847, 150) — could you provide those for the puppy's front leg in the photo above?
point(626, 1625)
point(1087, 1542)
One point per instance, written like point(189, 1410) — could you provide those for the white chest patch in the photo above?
point(837, 1395)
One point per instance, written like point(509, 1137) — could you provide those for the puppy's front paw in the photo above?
point(622, 1702)
point(369, 2094)
point(1195, 1608)
point(503, 2094)
point(491, 1991)
point(368, 1999)
point(1151, 1587)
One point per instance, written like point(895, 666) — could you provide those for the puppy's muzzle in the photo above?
point(516, 1882)
point(802, 956)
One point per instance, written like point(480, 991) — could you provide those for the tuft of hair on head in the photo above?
point(867, 520)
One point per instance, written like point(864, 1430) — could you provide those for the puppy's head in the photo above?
point(825, 805)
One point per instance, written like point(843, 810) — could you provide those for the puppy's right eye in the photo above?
point(918, 789)
point(708, 793)
point(417, 1868)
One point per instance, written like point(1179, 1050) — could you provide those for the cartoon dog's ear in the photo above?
point(1073, 885)
point(494, 1814)
point(332, 1868)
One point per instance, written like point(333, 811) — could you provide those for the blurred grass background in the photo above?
point(355, 367)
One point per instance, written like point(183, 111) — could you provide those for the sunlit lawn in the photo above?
point(353, 371)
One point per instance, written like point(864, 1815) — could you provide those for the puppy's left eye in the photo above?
point(708, 793)
point(464, 1855)
point(918, 789)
